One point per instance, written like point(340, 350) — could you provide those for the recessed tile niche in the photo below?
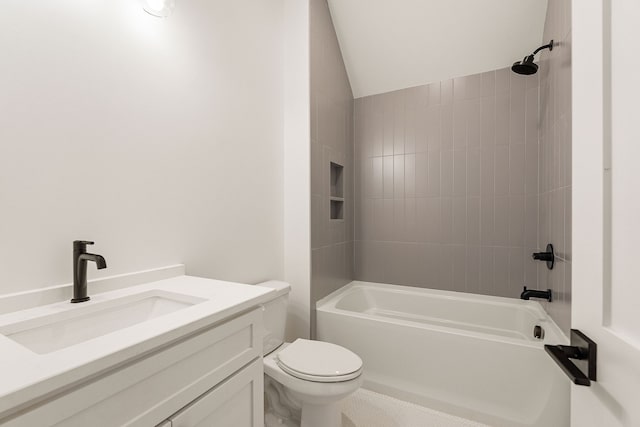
point(336, 191)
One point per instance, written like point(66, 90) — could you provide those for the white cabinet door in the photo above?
point(606, 207)
point(236, 402)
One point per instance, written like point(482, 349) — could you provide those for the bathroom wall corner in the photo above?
point(555, 187)
point(297, 167)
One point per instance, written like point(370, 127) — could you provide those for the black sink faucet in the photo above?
point(531, 293)
point(80, 258)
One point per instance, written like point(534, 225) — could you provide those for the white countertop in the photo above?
point(27, 376)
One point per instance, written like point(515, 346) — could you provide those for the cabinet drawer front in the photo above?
point(237, 402)
point(148, 390)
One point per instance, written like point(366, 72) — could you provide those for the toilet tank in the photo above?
point(275, 315)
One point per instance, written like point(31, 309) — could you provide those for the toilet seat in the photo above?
point(319, 361)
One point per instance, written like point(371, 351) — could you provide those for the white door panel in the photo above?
point(606, 207)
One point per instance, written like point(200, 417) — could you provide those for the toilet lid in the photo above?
point(319, 361)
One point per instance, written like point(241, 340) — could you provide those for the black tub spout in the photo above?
point(532, 293)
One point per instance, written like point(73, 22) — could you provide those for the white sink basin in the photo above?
point(48, 333)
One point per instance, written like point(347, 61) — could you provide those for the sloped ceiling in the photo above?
point(395, 44)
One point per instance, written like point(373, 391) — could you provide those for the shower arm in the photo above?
point(547, 46)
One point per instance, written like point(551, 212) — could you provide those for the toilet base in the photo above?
point(286, 408)
point(280, 410)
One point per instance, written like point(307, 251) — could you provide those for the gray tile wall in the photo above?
point(447, 184)
point(555, 159)
point(331, 141)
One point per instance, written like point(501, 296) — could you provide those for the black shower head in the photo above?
point(527, 66)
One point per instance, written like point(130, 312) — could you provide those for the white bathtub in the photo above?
point(469, 355)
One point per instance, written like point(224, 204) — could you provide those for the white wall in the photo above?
point(297, 167)
point(159, 139)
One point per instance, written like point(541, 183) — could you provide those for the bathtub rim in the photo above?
point(554, 334)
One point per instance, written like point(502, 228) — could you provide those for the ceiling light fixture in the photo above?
point(159, 8)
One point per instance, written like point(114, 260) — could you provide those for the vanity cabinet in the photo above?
point(234, 403)
point(212, 377)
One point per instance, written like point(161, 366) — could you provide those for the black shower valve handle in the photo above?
point(549, 256)
point(543, 256)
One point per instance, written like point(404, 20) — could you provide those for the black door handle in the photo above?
point(583, 350)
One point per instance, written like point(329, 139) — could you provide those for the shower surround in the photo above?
point(451, 185)
point(447, 185)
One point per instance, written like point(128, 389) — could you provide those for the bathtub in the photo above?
point(469, 355)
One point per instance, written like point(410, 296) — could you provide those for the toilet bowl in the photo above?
point(304, 380)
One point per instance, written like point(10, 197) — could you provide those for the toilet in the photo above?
point(304, 381)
